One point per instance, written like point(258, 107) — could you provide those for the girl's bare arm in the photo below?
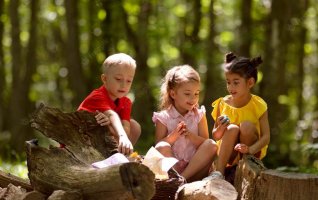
point(265, 135)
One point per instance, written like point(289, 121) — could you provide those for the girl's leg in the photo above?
point(135, 131)
point(198, 166)
point(248, 133)
point(226, 152)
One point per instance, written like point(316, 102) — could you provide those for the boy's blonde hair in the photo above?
point(118, 59)
point(174, 77)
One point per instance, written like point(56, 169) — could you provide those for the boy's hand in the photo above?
point(125, 146)
point(102, 119)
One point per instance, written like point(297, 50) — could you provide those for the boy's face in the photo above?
point(118, 80)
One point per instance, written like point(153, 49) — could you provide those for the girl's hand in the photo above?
point(242, 148)
point(102, 119)
point(222, 122)
point(181, 129)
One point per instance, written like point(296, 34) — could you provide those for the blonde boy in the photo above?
point(111, 104)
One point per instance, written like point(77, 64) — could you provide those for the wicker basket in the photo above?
point(166, 189)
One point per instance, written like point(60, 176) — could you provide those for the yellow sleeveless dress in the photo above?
point(251, 112)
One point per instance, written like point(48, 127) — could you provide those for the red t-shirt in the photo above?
point(99, 100)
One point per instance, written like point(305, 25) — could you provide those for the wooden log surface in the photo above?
point(6, 179)
point(273, 184)
point(69, 169)
point(247, 172)
point(215, 189)
point(254, 181)
point(57, 169)
point(12, 192)
point(79, 131)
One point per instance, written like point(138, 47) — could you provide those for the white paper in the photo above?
point(117, 158)
point(158, 163)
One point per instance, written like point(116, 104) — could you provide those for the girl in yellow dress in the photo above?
point(241, 118)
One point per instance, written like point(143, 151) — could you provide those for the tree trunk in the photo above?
point(189, 42)
point(2, 71)
point(139, 39)
point(20, 104)
point(245, 29)
point(274, 84)
point(69, 168)
point(16, 107)
point(214, 83)
point(73, 58)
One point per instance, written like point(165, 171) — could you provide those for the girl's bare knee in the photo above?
point(247, 129)
point(232, 130)
point(210, 146)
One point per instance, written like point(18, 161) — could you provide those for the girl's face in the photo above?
point(118, 80)
point(186, 96)
point(238, 86)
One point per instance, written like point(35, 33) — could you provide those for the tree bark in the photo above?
point(2, 71)
point(6, 179)
point(254, 181)
point(189, 42)
point(214, 83)
point(207, 190)
point(73, 58)
point(70, 169)
point(245, 29)
point(139, 40)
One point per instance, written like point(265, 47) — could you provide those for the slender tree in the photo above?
point(273, 85)
point(93, 46)
point(214, 84)
point(245, 29)
point(21, 76)
point(190, 42)
point(109, 7)
point(144, 103)
point(302, 38)
point(73, 58)
point(2, 64)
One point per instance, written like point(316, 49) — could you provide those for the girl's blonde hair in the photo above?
point(174, 77)
point(118, 59)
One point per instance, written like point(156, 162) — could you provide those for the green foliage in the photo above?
point(17, 168)
point(167, 38)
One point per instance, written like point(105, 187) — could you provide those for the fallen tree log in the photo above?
point(69, 169)
point(6, 179)
point(254, 181)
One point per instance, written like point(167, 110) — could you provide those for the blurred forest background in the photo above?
point(51, 52)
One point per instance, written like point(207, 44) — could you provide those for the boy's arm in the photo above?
point(124, 145)
point(126, 126)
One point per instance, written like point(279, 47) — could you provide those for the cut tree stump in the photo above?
point(254, 181)
point(69, 169)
